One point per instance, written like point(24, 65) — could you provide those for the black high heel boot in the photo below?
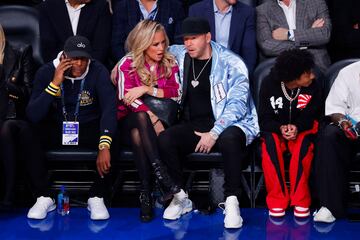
point(167, 185)
point(146, 208)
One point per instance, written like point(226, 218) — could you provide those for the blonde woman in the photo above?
point(16, 75)
point(148, 69)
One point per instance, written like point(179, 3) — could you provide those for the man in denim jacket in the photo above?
point(217, 113)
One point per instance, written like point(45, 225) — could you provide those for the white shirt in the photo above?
point(148, 15)
point(74, 15)
point(344, 94)
point(222, 25)
point(290, 15)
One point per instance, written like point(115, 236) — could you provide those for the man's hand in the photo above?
point(346, 126)
point(318, 23)
point(292, 131)
point(289, 131)
point(284, 131)
point(135, 93)
point(206, 142)
point(65, 64)
point(103, 162)
point(280, 34)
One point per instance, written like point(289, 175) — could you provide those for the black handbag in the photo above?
point(165, 109)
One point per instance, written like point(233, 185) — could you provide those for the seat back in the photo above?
point(261, 71)
point(21, 27)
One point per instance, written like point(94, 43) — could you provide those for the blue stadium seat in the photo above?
point(21, 26)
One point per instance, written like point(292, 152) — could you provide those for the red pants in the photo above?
point(301, 149)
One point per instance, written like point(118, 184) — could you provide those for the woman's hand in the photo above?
point(158, 127)
point(135, 93)
point(157, 124)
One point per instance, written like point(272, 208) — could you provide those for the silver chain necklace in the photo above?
point(287, 95)
point(195, 81)
point(290, 99)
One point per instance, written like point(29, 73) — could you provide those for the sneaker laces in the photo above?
point(316, 211)
point(222, 206)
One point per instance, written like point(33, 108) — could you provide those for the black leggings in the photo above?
point(180, 140)
point(17, 141)
point(137, 131)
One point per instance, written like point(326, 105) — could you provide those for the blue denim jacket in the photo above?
point(234, 106)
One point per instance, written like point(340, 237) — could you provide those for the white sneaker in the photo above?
point(301, 212)
point(232, 213)
point(180, 204)
point(324, 215)
point(276, 212)
point(40, 209)
point(97, 208)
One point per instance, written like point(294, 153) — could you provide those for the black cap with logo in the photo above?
point(77, 46)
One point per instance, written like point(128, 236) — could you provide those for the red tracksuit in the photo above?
point(276, 110)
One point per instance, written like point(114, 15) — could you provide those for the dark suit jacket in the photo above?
point(55, 27)
point(127, 14)
point(270, 16)
point(242, 36)
point(345, 37)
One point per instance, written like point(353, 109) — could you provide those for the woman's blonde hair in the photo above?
point(2, 44)
point(140, 39)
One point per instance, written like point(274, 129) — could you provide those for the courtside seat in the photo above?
point(76, 169)
point(21, 27)
point(71, 155)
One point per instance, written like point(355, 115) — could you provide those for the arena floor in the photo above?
point(124, 224)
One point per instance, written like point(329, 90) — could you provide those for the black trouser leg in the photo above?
point(7, 151)
point(89, 138)
point(232, 145)
point(17, 136)
point(333, 156)
point(174, 144)
point(34, 160)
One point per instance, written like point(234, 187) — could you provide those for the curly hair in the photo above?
point(291, 64)
point(138, 41)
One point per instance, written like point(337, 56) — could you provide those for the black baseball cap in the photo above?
point(77, 46)
point(194, 26)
